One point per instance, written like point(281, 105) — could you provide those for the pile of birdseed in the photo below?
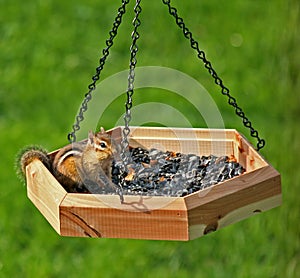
point(157, 173)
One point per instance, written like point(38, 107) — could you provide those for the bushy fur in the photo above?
point(26, 155)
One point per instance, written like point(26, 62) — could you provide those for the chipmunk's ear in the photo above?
point(91, 138)
point(102, 130)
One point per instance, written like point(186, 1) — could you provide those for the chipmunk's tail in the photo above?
point(27, 155)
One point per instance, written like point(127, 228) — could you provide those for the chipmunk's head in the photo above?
point(101, 143)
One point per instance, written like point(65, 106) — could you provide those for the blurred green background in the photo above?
point(49, 50)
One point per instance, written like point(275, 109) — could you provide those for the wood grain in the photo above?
point(45, 192)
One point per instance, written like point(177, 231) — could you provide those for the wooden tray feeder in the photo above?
point(156, 217)
point(163, 218)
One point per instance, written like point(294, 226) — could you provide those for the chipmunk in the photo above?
point(82, 167)
point(79, 167)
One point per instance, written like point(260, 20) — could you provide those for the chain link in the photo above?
point(224, 90)
point(131, 76)
point(88, 96)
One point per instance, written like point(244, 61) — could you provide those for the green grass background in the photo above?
point(48, 53)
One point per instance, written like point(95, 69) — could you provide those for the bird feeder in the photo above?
point(161, 217)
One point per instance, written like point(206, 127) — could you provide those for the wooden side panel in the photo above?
point(233, 200)
point(138, 217)
point(198, 141)
point(192, 146)
point(247, 156)
point(181, 133)
point(45, 192)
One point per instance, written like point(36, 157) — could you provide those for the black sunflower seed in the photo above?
point(157, 173)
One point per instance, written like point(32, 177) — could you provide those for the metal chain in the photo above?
point(224, 90)
point(131, 76)
point(88, 96)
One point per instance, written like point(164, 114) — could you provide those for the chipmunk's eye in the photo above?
point(103, 145)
